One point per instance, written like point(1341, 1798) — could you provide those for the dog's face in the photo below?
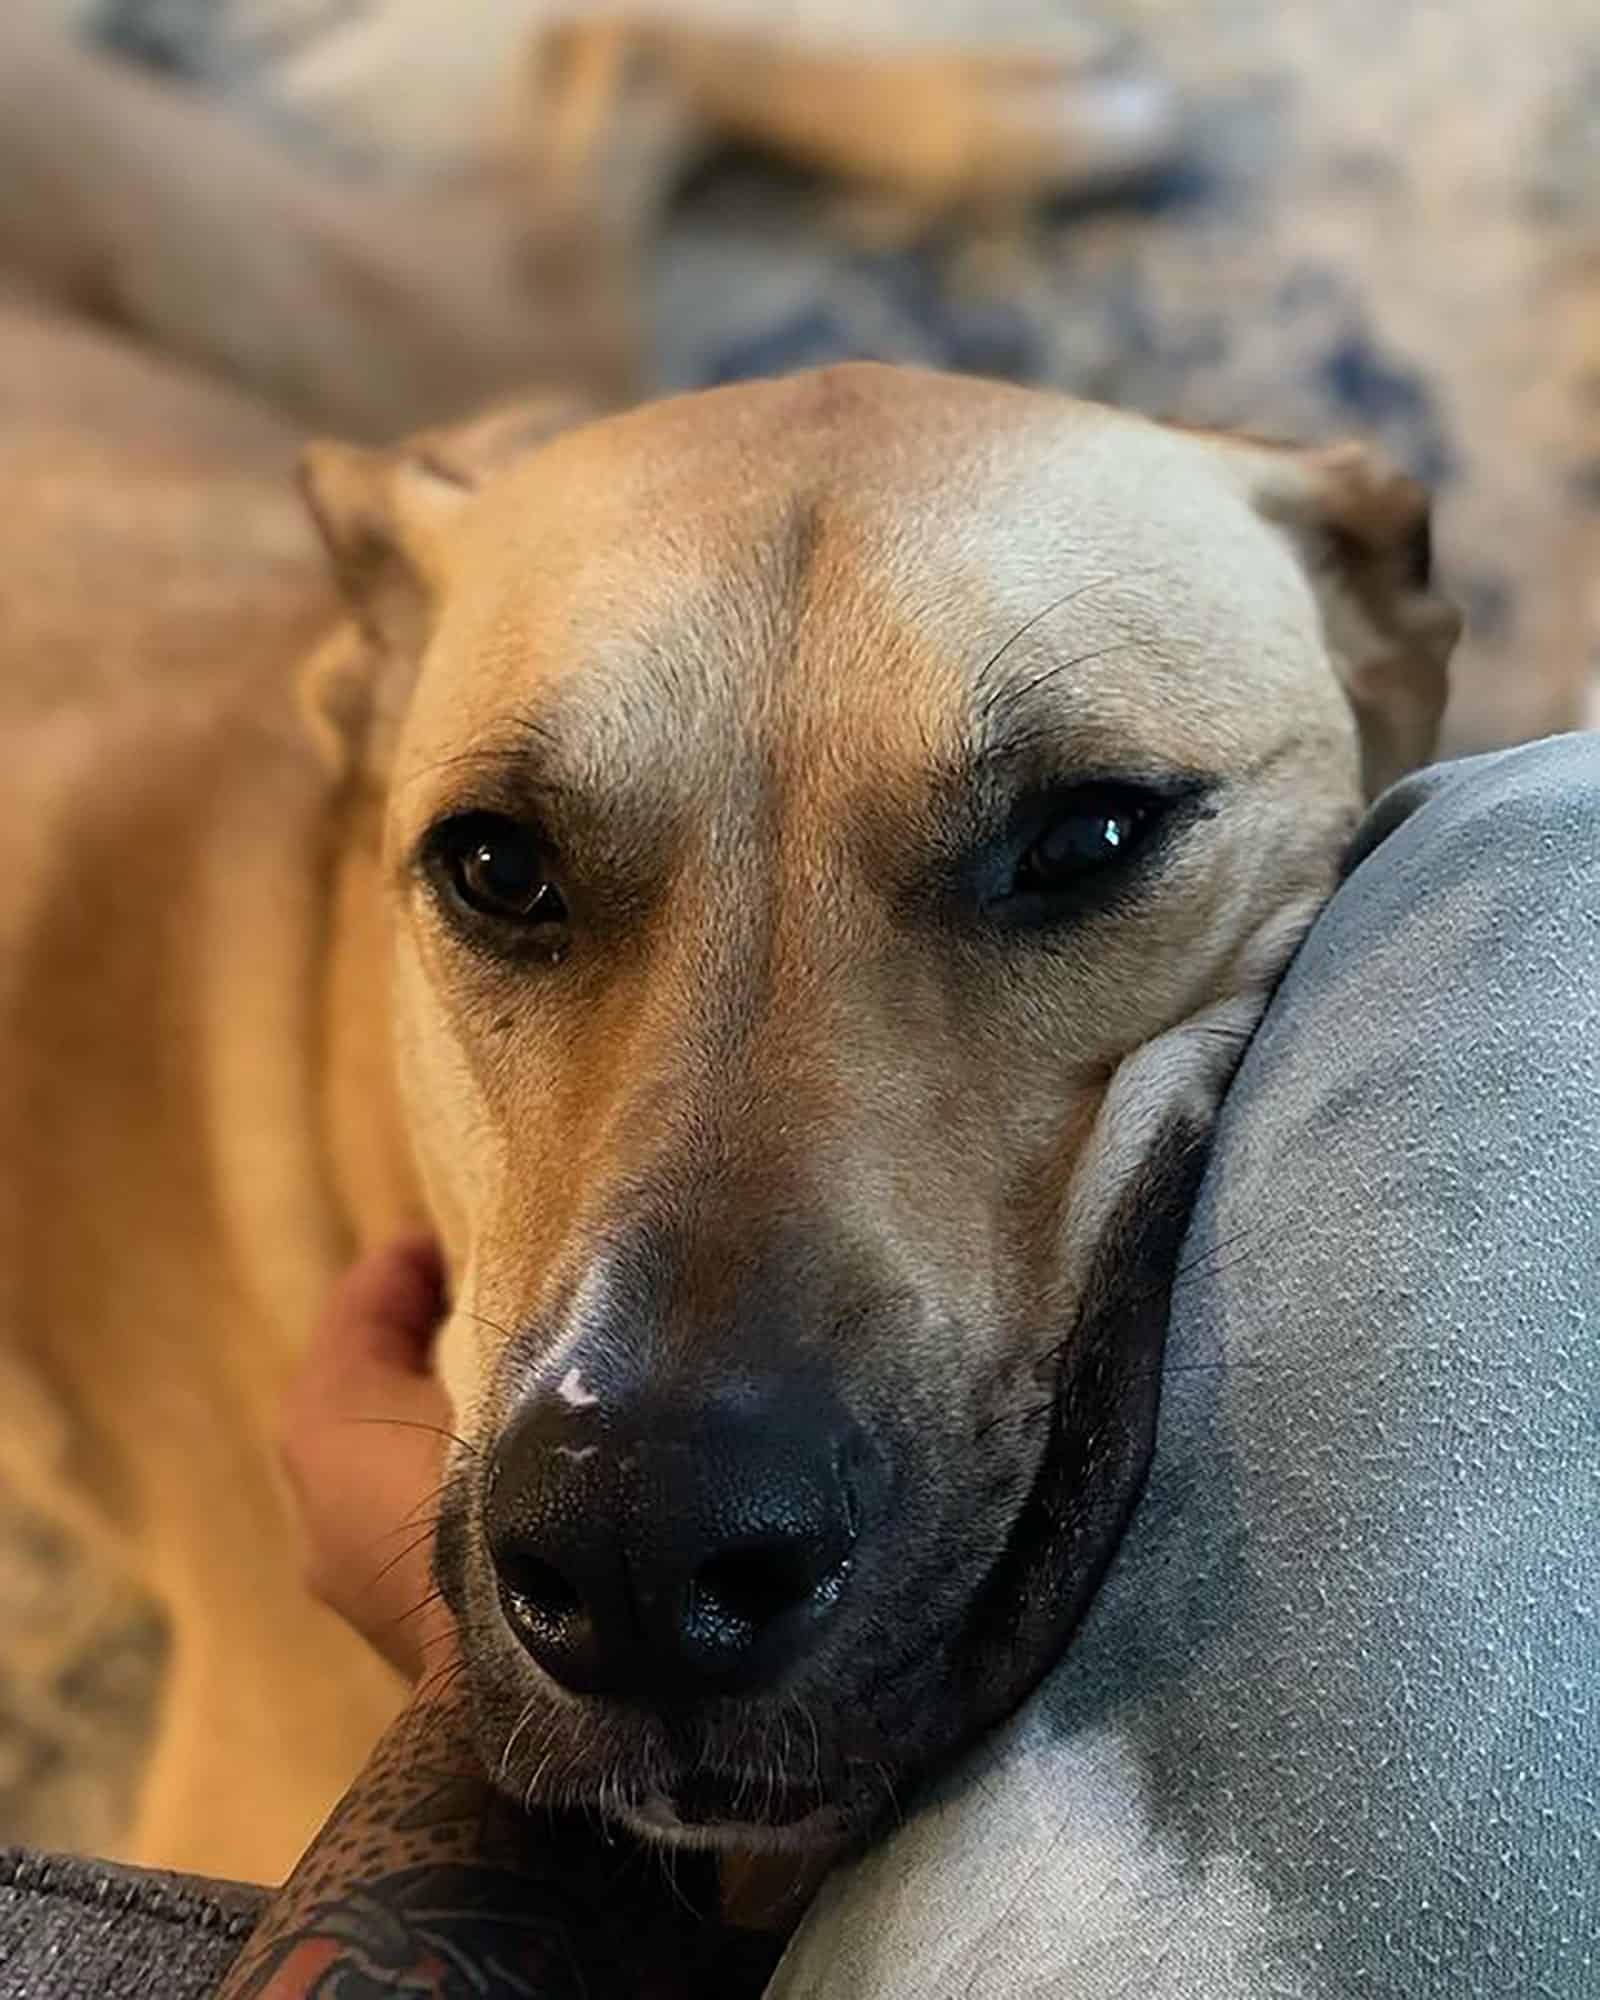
point(839, 834)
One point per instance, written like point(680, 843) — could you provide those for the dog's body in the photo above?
point(756, 623)
point(172, 1210)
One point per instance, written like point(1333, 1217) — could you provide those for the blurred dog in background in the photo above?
point(369, 309)
point(177, 1186)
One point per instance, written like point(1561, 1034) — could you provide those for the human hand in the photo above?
point(365, 1424)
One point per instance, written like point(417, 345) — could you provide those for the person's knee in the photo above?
point(1531, 813)
point(1469, 919)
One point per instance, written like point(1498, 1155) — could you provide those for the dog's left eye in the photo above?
point(1095, 828)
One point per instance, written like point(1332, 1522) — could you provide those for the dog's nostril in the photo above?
point(750, 1587)
point(539, 1586)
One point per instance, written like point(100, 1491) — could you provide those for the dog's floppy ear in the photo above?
point(387, 518)
point(1362, 531)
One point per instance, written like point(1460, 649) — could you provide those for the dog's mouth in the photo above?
point(738, 1810)
point(713, 1799)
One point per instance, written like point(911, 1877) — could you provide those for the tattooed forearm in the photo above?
point(425, 1882)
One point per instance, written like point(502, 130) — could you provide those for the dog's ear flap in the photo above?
point(382, 516)
point(387, 518)
point(1363, 533)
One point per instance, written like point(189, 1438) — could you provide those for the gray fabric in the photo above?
point(83, 1930)
point(1333, 1726)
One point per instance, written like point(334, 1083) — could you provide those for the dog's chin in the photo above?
point(715, 1787)
point(747, 1782)
point(815, 1826)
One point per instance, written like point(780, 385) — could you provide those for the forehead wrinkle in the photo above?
point(672, 621)
point(870, 683)
point(598, 744)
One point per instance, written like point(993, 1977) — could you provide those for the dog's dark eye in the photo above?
point(497, 867)
point(1090, 830)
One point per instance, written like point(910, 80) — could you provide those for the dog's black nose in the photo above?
point(670, 1552)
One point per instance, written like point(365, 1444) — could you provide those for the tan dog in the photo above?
point(815, 851)
point(836, 838)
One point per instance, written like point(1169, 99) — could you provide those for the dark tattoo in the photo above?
point(426, 1882)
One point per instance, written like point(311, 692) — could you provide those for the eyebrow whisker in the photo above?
point(518, 768)
point(1022, 631)
point(1055, 604)
point(492, 754)
point(1017, 694)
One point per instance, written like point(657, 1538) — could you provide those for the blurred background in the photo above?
point(1306, 218)
point(1379, 216)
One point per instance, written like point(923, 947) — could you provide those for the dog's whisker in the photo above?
point(438, 1643)
point(427, 1523)
point(1056, 604)
point(411, 1524)
point(440, 1688)
point(413, 1424)
point(1212, 1262)
point(483, 1320)
point(1217, 1269)
point(445, 1672)
point(816, 1738)
point(532, 1785)
point(1011, 697)
point(404, 1617)
point(394, 1561)
point(1246, 1232)
point(778, 1773)
point(668, 1854)
point(1022, 1418)
point(522, 1722)
point(415, 1517)
point(887, 1780)
point(440, 1682)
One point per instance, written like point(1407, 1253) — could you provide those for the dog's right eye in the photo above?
point(497, 868)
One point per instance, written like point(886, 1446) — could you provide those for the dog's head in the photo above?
point(838, 834)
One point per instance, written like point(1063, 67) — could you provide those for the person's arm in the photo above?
point(426, 1882)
